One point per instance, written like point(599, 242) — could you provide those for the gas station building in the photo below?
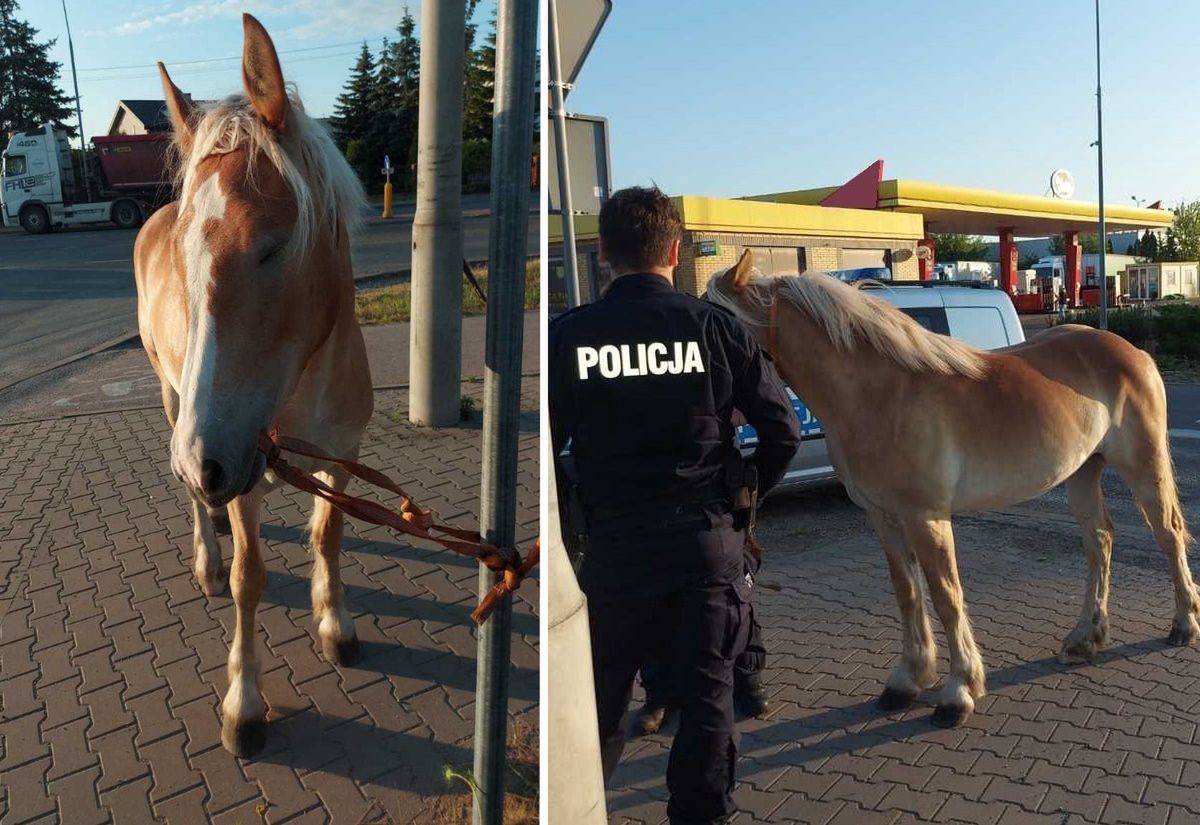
point(867, 222)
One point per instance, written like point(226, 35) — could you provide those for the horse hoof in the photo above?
point(949, 716)
point(1180, 637)
point(215, 584)
point(1076, 654)
point(342, 653)
point(897, 698)
point(245, 740)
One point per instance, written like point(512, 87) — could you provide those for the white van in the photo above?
point(977, 314)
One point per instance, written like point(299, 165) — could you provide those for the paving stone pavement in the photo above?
point(112, 662)
point(1114, 741)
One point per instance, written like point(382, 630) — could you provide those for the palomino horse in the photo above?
point(246, 310)
point(920, 427)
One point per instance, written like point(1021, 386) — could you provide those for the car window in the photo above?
point(981, 327)
point(14, 165)
point(932, 318)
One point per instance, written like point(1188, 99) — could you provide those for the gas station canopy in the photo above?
point(986, 212)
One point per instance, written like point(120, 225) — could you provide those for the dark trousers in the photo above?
point(698, 632)
point(656, 674)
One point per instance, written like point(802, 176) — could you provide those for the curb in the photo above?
point(144, 407)
point(79, 356)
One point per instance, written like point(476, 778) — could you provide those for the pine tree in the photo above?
point(406, 59)
point(479, 95)
point(352, 111)
point(29, 93)
point(381, 135)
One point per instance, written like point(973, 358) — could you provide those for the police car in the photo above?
point(969, 311)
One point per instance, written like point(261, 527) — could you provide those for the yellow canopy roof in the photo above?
point(984, 212)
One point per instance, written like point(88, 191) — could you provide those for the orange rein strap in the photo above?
point(411, 519)
point(773, 319)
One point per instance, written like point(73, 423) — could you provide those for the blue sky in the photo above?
point(717, 98)
point(138, 33)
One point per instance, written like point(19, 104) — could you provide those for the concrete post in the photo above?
point(576, 783)
point(435, 342)
point(512, 142)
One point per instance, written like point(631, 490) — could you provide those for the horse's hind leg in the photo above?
point(917, 668)
point(1153, 484)
point(335, 625)
point(933, 542)
point(206, 550)
point(1086, 500)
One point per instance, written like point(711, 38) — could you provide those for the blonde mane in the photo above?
point(305, 156)
point(850, 316)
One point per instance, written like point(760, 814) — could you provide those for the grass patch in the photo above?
point(1168, 331)
point(521, 797)
point(393, 304)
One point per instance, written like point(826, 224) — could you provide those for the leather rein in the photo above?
point(410, 519)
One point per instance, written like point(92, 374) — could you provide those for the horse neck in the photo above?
point(819, 372)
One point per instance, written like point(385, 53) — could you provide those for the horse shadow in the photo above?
point(291, 591)
point(862, 725)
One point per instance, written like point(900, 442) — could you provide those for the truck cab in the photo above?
point(37, 166)
point(38, 189)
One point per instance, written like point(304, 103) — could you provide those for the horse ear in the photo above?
point(262, 76)
point(739, 274)
point(180, 108)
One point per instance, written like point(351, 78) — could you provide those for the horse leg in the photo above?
point(1153, 486)
point(933, 542)
point(1086, 500)
point(244, 729)
point(206, 550)
point(335, 626)
point(917, 668)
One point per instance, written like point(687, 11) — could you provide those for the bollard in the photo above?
point(387, 200)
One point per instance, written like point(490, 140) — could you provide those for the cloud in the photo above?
point(317, 18)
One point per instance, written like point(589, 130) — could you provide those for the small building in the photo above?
point(1149, 282)
point(785, 239)
point(140, 117)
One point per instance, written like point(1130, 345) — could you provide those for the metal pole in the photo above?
point(1103, 321)
point(83, 160)
point(559, 113)
point(435, 342)
point(512, 143)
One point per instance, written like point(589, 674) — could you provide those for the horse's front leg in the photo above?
point(206, 550)
point(244, 730)
point(917, 667)
point(335, 625)
point(933, 542)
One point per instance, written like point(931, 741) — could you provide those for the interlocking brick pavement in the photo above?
point(1113, 741)
point(112, 662)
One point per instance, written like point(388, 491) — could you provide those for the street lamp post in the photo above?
point(83, 160)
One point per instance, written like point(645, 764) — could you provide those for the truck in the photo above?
point(982, 271)
point(39, 191)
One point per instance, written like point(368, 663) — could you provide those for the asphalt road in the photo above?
point(72, 292)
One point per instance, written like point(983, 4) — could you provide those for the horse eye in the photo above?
point(275, 250)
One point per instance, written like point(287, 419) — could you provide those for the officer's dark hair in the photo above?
point(637, 227)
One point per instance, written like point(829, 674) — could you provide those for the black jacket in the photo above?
point(644, 384)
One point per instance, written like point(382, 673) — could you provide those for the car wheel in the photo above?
point(35, 219)
point(126, 214)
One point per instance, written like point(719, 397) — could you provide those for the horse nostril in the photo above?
point(211, 476)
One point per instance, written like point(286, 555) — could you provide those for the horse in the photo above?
point(246, 312)
point(920, 427)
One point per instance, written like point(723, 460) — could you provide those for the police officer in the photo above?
point(643, 384)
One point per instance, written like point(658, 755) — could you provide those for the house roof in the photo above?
point(152, 114)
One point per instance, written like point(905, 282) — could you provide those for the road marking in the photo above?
point(1194, 434)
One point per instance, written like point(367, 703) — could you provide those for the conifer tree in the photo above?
point(352, 111)
point(29, 93)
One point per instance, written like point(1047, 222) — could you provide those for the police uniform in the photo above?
point(643, 384)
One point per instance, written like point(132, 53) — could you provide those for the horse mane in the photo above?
point(304, 155)
point(850, 316)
